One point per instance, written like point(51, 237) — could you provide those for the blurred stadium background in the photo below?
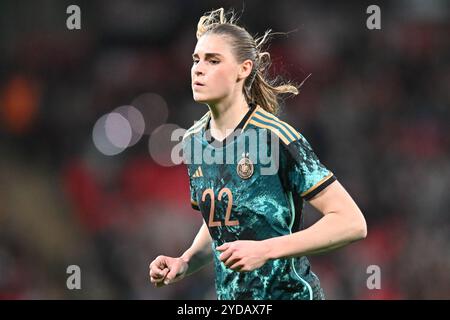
point(82, 186)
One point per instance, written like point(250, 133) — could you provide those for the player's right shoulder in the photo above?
point(198, 126)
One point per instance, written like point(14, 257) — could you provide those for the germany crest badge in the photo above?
point(245, 167)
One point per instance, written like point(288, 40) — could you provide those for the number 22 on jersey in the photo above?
point(211, 221)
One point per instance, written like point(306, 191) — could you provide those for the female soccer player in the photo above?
point(252, 209)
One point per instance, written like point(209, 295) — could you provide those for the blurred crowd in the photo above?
point(376, 111)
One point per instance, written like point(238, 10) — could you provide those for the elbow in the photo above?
point(361, 231)
point(359, 228)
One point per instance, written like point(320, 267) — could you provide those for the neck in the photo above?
point(226, 115)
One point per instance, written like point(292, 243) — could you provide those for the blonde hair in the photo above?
point(257, 87)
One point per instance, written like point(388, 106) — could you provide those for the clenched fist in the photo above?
point(166, 270)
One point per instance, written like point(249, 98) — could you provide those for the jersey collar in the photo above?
point(241, 126)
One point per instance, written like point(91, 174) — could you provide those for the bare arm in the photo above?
point(200, 253)
point(165, 270)
point(341, 224)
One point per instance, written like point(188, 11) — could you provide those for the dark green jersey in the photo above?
point(252, 186)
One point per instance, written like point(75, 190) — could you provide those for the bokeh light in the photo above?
point(153, 108)
point(135, 120)
point(161, 145)
point(111, 134)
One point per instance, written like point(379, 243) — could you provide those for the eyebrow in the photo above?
point(208, 55)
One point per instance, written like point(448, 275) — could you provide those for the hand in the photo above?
point(244, 255)
point(166, 270)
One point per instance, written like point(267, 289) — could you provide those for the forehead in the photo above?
point(213, 44)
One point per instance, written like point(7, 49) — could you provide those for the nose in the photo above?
point(198, 72)
point(198, 69)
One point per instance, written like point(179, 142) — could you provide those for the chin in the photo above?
point(200, 99)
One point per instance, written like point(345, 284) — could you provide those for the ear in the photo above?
point(245, 68)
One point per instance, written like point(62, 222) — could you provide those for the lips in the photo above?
point(197, 83)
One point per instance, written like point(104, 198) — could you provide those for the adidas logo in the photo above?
point(198, 173)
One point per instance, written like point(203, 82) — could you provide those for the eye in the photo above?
point(195, 61)
point(214, 61)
